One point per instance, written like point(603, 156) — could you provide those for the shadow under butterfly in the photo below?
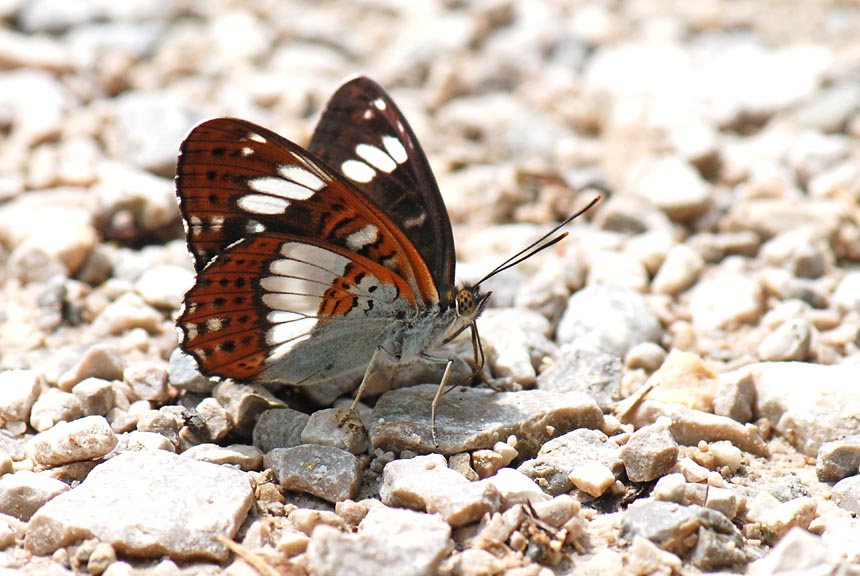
point(315, 263)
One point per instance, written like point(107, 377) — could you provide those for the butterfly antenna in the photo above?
point(540, 244)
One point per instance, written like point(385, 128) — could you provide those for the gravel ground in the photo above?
point(681, 374)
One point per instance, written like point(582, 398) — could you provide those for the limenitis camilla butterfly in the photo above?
point(312, 263)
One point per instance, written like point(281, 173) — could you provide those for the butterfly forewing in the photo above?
point(364, 136)
point(237, 179)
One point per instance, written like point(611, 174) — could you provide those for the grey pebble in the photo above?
point(19, 389)
point(244, 403)
point(608, 318)
point(124, 502)
point(426, 483)
point(846, 494)
point(24, 492)
point(279, 428)
point(82, 439)
point(183, 374)
point(790, 341)
point(649, 453)
point(838, 459)
point(560, 456)
point(388, 541)
point(468, 419)
point(592, 372)
point(328, 428)
point(322, 471)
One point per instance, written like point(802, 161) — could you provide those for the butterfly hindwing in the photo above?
point(267, 294)
point(364, 135)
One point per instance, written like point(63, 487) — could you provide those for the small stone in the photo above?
point(99, 361)
point(328, 428)
point(689, 427)
point(462, 463)
point(671, 488)
point(486, 462)
point(83, 439)
point(426, 483)
point(557, 511)
point(11, 531)
point(679, 270)
point(846, 494)
point(127, 312)
point(279, 428)
point(147, 126)
point(18, 391)
point(237, 455)
point(506, 451)
point(138, 440)
point(670, 526)
point(244, 403)
point(388, 541)
point(516, 488)
point(647, 558)
point(469, 419)
point(148, 381)
point(838, 459)
point(167, 421)
point(790, 341)
point(798, 552)
point(593, 372)
point(608, 318)
point(322, 471)
point(564, 455)
point(684, 379)
point(717, 456)
point(164, 286)
point(724, 501)
point(123, 502)
point(102, 556)
point(617, 269)
point(725, 300)
point(846, 296)
point(593, 478)
point(512, 339)
point(96, 396)
point(672, 185)
point(779, 520)
point(183, 374)
point(650, 453)
point(306, 520)
point(647, 356)
point(735, 398)
point(24, 492)
point(215, 419)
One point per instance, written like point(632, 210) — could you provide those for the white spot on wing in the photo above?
point(247, 151)
point(254, 227)
point(301, 176)
point(280, 187)
point(361, 238)
point(395, 149)
point(214, 324)
point(358, 171)
point(376, 157)
point(380, 104)
point(256, 137)
point(261, 204)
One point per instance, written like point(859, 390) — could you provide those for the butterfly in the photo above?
point(317, 263)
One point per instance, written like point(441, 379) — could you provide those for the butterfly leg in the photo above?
point(371, 368)
point(480, 358)
point(439, 391)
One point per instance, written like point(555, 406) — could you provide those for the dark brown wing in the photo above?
point(364, 135)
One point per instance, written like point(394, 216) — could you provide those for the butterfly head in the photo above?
point(470, 302)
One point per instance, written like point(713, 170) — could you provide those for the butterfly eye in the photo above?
point(466, 303)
